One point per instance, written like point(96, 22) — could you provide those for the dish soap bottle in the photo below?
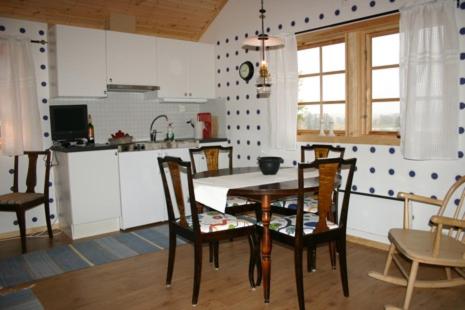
point(170, 132)
point(90, 131)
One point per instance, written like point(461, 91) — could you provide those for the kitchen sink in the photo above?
point(150, 145)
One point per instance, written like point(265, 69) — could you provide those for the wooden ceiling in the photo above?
point(180, 19)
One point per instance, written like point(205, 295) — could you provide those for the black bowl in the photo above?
point(269, 164)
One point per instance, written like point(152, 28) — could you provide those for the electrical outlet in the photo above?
point(182, 108)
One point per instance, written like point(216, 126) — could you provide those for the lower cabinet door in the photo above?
point(142, 197)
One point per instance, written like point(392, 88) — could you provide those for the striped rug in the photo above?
point(82, 254)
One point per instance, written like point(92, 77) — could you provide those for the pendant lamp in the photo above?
point(263, 42)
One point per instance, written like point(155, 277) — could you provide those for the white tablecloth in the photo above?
point(213, 191)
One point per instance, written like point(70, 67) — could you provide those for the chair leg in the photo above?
point(411, 283)
point(258, 261)
point(216, 258)
point(298, 252)
point(311, 258)
point(22, 228)
point(341, 247)
point(332, 254)
point(47, 219)
point(197, 271)
point(392, 249)
point(210, 251)
point(171, 255)
point(252, 261)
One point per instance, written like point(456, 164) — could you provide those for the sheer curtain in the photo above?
point(283, 98)
point(19, 112)
point(429, 65)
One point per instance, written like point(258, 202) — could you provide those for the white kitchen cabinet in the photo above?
point(142, 194)
point(77, 62)
point(188, 69)
point(131, 59)
point(87, 192)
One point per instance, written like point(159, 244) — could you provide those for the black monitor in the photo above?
point(68, 122)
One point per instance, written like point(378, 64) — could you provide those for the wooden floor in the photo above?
point(138, 283)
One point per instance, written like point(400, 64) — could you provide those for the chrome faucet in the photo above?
point(153, 132)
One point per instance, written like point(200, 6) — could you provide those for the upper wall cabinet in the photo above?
point(77, 62)
point(131, 59)
point(186, 70)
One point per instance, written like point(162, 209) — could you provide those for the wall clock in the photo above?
point(246, 70)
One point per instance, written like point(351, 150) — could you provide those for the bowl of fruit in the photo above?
point(120, 137)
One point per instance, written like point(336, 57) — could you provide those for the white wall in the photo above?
point(247, 118)
point(34, 217)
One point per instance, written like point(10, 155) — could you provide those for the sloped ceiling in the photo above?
point(180, 19)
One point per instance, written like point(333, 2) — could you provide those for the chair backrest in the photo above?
point(328, 169)
point(31, 178)
point(180, 174)
point(321, 151)
point(453, 206)
point(212, 156)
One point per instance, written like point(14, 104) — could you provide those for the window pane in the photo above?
point(334, 87)
point(385, 116)
point(385, 50)
point(308, 117)
point(309, 89)
point(334, 57)
point(308, 61)
point(335, 113)
point(385, 83)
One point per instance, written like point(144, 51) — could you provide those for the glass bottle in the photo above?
point(90, 131)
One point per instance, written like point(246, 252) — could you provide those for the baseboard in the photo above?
point(368, 243)
point(29, 231)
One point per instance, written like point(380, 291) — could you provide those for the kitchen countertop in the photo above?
point(83, 148)
point(99, 147)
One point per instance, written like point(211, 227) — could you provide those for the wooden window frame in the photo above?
point(357, 37)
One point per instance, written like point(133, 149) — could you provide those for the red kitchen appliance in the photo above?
point(206, 118)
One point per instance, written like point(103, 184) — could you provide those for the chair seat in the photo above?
point(418, 245)
point(12, 199)
point(212, 221)
point(286, 224)
point(310, 204)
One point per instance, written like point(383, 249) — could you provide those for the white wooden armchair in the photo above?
point(443, 245)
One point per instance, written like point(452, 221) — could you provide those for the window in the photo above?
point(349, 83)
point(322, 87)
point(384, 80)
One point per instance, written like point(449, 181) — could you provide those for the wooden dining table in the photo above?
point(264, 194)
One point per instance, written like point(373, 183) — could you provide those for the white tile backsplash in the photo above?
point(133, 113)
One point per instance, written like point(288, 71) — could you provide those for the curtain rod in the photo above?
point(348, 21)
point(354, 20)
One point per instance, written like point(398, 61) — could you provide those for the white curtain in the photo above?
point(283, 99)
point(19, 111)
point(429, 74)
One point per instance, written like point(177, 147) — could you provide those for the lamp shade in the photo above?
point(269, 42)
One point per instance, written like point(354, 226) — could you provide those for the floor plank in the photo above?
point(138, 283)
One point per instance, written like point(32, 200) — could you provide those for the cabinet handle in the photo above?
point(190, 94)
point(185, 94)
point(111, 80)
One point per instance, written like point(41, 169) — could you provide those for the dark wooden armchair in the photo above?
point(305, 229)
point(20, 202)
point(206, 227)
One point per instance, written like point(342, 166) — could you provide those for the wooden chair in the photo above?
point(289, 204)
point(198, 227)
point(443, 245)
point(306, 229)
point(235, 205)
point(20, 202)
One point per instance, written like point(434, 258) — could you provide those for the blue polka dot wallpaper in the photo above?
point(381, 169)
